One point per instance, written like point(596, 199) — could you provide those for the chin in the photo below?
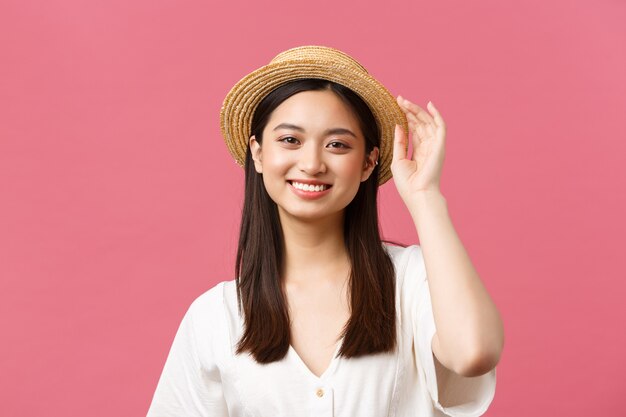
point(309, 215)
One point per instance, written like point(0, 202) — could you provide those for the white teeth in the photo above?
point(309, 187)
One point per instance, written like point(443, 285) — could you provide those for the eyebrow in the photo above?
point(333, 131)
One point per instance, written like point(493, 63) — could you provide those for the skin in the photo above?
point(313, 229)
point(316, 265)
point(470, 335)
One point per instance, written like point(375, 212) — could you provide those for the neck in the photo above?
point(314, 250)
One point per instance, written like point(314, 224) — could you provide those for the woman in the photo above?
point(323, 318)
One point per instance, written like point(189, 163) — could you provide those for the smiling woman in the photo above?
point(324, 318)
point(306, 151)
point(344, 212)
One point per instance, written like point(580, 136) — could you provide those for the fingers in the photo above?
point(420, 114)
point(416, 126)
point(413, 108)
point(437, 116)
point(412, 119)
point(399, 148)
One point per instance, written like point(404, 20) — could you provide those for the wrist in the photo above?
point(420, 201)
point(427, 196)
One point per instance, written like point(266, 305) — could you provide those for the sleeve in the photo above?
point(190, 384)
point(460, 396)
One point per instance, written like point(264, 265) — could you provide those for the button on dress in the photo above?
point(203, 376)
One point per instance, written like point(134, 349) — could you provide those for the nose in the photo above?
point(311, 159)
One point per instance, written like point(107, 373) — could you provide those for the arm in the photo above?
point(190, 384)
point(470, 334)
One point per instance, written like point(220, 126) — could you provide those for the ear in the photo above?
point(255, 150)
point(370, 164)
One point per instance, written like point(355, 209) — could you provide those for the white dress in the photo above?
point(203, 377)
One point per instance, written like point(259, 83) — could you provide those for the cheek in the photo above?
point(274, 170)
point(275, 162)
point(352, 170)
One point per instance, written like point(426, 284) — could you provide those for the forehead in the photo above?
point(314, 109)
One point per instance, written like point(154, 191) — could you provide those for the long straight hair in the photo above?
point(371, 327)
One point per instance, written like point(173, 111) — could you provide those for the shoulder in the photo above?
point(210, 304)
point(404, 257)
point(210, 322)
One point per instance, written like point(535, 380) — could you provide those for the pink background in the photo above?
point(120, 203)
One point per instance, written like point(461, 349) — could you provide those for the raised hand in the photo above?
point(422, 171)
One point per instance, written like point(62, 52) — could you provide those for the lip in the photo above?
point(309, 195)
point(311, 182)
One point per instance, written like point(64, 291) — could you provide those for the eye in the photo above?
point(289, 139)
point(340, 145)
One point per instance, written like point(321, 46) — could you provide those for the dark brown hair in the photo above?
point(372, 324)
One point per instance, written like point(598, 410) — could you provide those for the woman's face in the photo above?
point(312, 139)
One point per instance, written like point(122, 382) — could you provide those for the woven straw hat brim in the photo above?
point(241, 102)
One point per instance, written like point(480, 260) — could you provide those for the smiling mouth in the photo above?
point(310, 187)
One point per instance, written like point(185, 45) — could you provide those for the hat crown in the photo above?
point(318, 53)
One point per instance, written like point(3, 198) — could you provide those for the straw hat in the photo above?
point(309, 62)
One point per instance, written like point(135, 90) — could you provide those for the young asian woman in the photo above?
point(324, 317)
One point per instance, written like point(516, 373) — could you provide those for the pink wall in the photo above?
point(120, 204)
